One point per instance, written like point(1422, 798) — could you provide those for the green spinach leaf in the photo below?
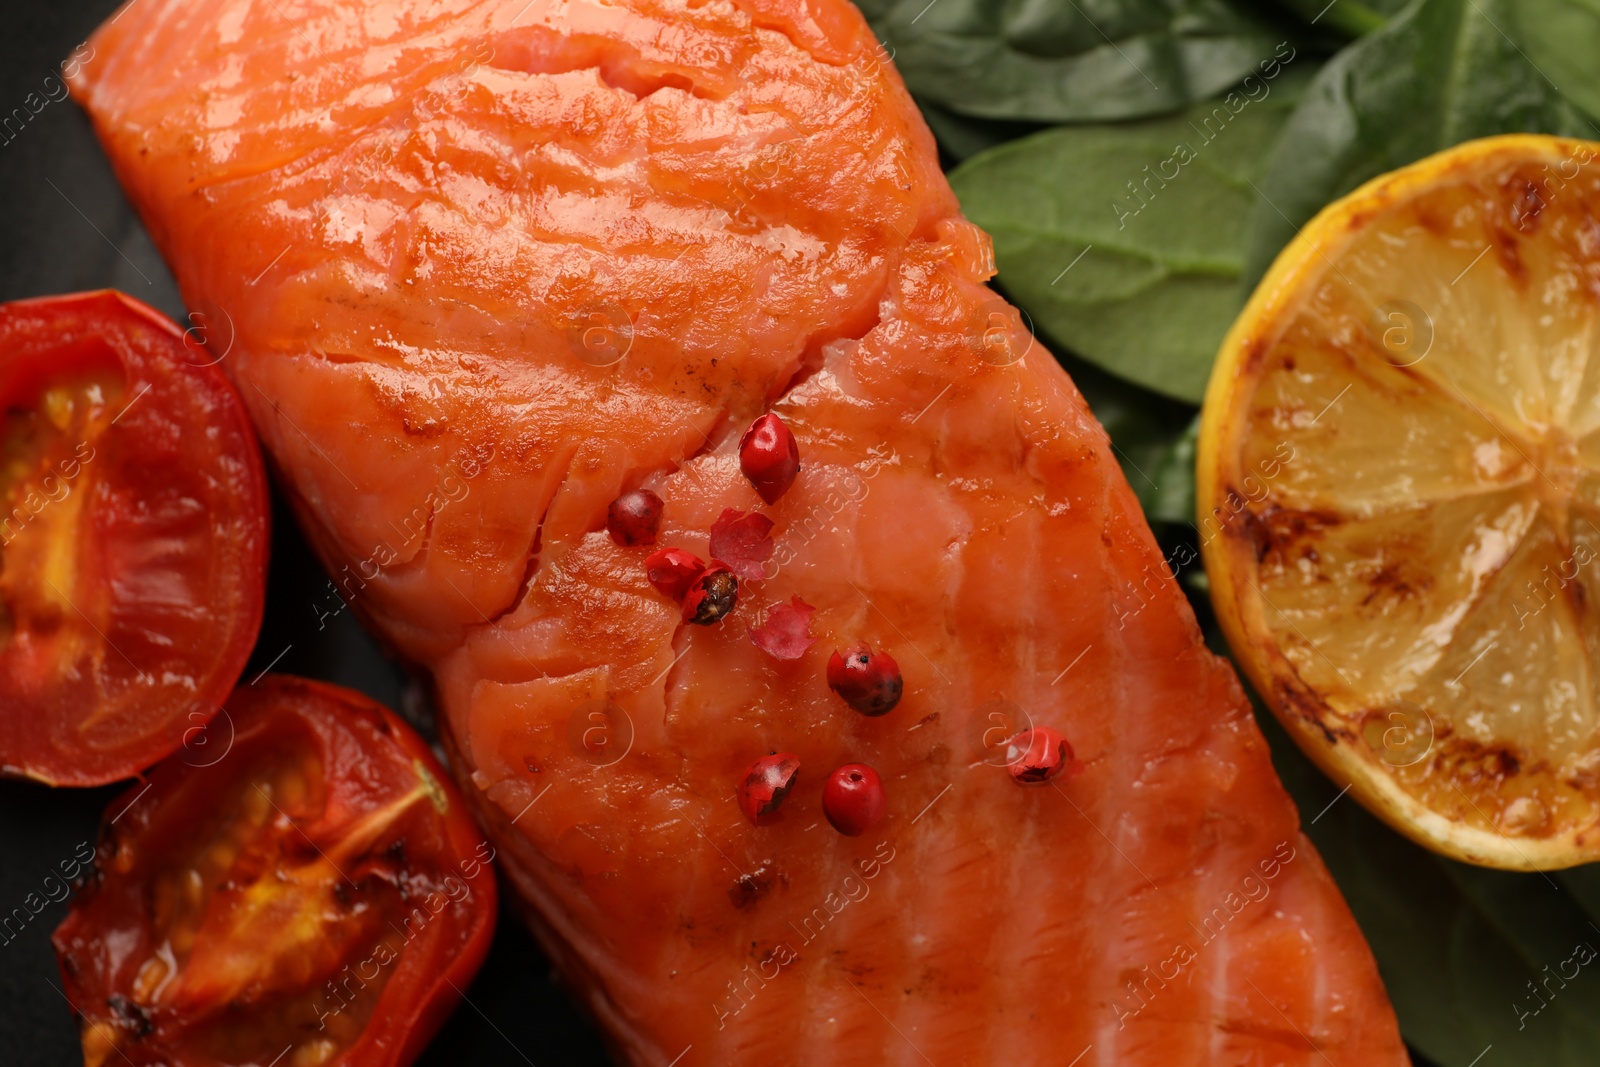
point(1170, 495)
point(961, 137)
point(1563, 42)
point(1070, 60)
point(1125, 242)
point(1441, 72)
point(1352, 18)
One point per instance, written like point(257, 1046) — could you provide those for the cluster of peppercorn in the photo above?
point(853, 798)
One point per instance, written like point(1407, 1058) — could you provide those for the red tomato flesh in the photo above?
point(133, 538)
point(318, 895)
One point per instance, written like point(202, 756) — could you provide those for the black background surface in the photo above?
point(65, 226)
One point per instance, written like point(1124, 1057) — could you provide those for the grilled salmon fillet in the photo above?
point(478, 268)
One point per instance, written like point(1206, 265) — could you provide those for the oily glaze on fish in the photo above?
point(481, 267)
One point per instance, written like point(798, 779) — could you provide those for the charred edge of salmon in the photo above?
point(587, 988)
point(428, 722)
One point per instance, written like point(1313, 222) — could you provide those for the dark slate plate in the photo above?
point(64, 226)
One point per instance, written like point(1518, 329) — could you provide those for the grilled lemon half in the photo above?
point(1399, 497)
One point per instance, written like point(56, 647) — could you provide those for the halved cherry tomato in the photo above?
point(133, 538)
point(317, 895)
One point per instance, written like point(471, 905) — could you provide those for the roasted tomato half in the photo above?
point(133, 538)
point(317, 895)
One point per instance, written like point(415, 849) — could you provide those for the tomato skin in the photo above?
point(160, 520)
point(351, 765)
